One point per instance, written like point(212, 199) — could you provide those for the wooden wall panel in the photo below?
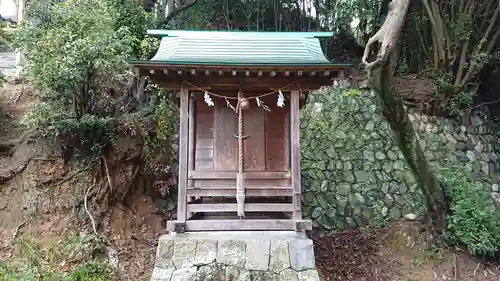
point(204, 137)
point(248, 182)
point(265, 149)
point(225, 144)
point(255, 144)
point(276, 144)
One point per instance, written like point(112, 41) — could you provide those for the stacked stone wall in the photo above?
point(353, 172)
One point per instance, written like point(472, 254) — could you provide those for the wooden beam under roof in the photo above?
point(252, 68)
point(225, 84)
point(243, 72)
point(229, 83)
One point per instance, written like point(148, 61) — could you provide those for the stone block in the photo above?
point(184, 253)
point(288, 275)
point(231, 252)
point(238, 274)
point(301, 254)
point(213, 272)
point(279, 256)
point(257, 254)
point(184, 274)
point(206, 252)
point(165, 252)
point(257, 275)
point(162, 274)
point(233, 273)
point(308, 275)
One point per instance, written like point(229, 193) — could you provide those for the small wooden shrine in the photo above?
point(239, 149)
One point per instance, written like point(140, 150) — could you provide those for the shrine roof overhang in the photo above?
point(239, 58)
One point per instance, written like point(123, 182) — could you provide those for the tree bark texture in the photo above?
point(380, 73)
point(175, 7)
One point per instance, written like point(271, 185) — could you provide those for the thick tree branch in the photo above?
point(437, 29)
point(388, 34)
point(486, 38)
point(173, 11)
point(461, 66)
point(380, 73)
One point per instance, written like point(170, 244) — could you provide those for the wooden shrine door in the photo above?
point(266, 147)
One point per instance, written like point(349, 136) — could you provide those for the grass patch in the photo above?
point(426, 256)
point(474, 221)
point(79, 256)
point(86, 272)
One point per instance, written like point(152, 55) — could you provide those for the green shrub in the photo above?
point(75, 55)
point(5, 38)
point(473, 221)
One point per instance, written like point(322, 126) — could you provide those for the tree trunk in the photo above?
point(380, 73)
point(174, 7)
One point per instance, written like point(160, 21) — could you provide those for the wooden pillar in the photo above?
point(295, 158)
point(287, 140)
point(183, 161)
point(191, 147)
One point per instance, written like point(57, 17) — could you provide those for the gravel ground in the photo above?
point(352, 256)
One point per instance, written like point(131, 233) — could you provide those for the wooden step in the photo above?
point(212, 175)
point(241, 224)
point(248, 207)
point(266, 191)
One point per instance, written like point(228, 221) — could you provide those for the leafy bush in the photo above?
point(473, 221)
point(448, 99)
point(5, 38)
point(75, 52)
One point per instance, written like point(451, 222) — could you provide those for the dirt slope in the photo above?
point(38, 201)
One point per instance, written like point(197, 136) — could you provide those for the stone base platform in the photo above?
point(235, 256)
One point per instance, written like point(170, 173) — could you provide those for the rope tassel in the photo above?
point(240, 178)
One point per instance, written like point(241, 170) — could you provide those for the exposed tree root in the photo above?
point(107, 173)
point(8, 174)
point(17, 230)
point(7, 147)
point(87, 210)
point(74, 175)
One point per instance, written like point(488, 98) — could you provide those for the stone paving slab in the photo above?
point(8, 63)
point(228, 235)
point(235, 256)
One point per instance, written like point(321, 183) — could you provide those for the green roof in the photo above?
point(239, 48)
point(235, 34)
